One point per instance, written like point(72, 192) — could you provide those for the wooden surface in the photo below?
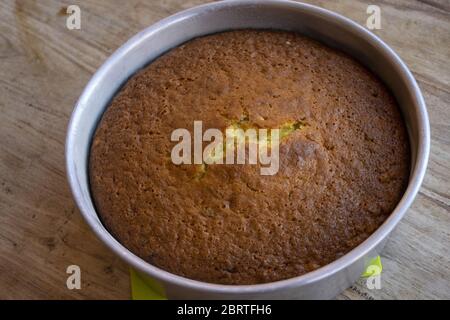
point(44, 67)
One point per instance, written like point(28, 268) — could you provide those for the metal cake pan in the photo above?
point(320, 24)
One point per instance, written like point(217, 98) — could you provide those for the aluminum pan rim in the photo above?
point(416, 178)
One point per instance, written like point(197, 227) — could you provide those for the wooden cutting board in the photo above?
point(43, 69)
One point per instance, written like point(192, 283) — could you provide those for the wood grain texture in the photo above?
point(44, 67)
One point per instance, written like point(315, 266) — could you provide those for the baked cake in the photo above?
point(344, 162)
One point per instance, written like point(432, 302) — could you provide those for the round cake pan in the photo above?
point(323, 25)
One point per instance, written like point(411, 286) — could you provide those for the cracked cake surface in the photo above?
point(344, 158)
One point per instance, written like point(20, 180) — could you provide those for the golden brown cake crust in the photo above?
point(340, 175)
